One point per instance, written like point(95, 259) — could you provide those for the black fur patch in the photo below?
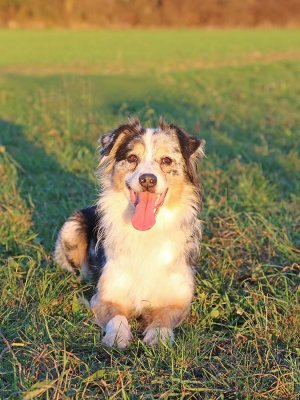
point(96, 255)
point(91, 222)
point(174, 172)
point(188, 146)
point(130, 130)
point(127, 145)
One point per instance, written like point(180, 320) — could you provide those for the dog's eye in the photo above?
point(132, 158)
point(166, 161)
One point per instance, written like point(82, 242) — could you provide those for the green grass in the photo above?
point(241, 340)
point(131, 51)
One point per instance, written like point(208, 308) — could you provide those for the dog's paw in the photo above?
point(117, 339)
point(154, 335)
point(117, 332)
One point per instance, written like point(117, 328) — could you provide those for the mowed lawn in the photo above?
point(240, 91)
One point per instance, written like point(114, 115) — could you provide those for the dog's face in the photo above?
point(150, 166)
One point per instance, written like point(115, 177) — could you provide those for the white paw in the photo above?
point(154, 335)
point(117, 332)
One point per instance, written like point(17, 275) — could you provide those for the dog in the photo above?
point(142, 237)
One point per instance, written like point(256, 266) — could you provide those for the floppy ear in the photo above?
point(197, 147)
point(109, 140)
point(189, 145)
point(191, 148)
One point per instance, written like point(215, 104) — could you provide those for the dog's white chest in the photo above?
point(147, 272)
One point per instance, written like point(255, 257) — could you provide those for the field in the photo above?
point(240, 91)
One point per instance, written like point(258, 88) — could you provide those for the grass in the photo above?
point(241, 340)
point(135, 50)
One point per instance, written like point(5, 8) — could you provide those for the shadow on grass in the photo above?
point(52, 192)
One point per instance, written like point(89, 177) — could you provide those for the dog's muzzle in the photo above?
point(146, 202)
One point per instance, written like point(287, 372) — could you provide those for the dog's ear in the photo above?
point(110, 140)
point(195, 148)
point(164, 126)
point(191, 148)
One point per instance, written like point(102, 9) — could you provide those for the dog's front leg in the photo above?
point(162, 322)
point(112, 318)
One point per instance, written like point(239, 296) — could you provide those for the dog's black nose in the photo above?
point(148, 180)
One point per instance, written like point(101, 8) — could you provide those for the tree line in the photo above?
point(118, 13)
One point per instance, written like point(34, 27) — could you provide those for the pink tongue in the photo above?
point(143, 217)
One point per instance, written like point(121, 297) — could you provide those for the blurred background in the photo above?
point(150, 13)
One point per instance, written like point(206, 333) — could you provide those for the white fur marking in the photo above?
point(166, 254)
point(117, 332)
point(133, 279)
point(154, 335)
point(148, 145)
point(69, 231)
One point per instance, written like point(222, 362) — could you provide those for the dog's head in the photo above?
point(151, 167)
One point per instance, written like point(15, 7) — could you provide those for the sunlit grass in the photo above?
point(241, 339)
point(48, 51)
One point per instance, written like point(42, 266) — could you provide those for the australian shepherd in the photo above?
point(142, 237)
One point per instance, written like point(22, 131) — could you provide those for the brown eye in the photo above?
point(132, 158)
point(166, 161)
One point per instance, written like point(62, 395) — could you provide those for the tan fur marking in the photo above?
point(122, 168)
point(119, 178)
point(167, 317)
point(138, 149)
point(106, 310)
point(78, 254)
point(178, 185)
point(71, 246)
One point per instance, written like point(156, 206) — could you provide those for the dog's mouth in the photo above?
point(147, 205)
